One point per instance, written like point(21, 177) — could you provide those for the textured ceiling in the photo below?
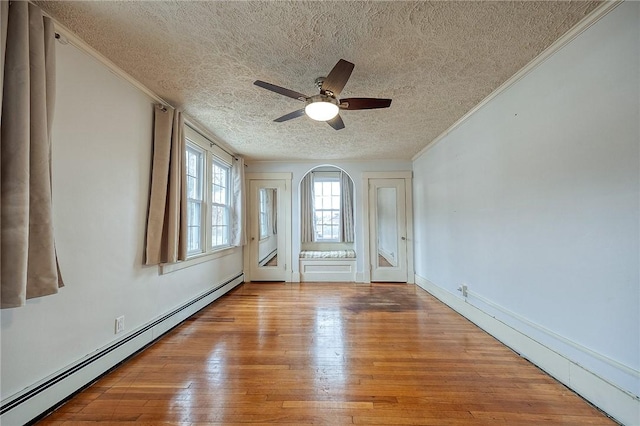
point(436, 60)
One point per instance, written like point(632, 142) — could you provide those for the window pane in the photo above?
point(326, 217)
point(327, 208)
point(335, 203)
point(334, 232)
point(326, 203)
point(219, 204)
point(219, 225)
point(219, 183)
point(192, 187)
point(193, 227)
point(194, 172)
point(194, 158)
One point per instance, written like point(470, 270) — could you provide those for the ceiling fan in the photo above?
point(325, 106)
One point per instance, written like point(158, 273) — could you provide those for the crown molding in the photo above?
point(556, 46)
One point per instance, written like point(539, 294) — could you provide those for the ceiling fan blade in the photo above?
point(291, 115)
point(281, 90)
point(364, 103)
point(336, 122)
point(338, 77)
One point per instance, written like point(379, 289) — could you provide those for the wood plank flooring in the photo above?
point(334, 354)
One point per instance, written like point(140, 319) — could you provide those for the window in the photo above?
point(195, 177)
point(208, 195)
point(220, 205)
point(326, 190)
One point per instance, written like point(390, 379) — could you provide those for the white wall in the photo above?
point(533, 202)
point(101, 167)
point(354, 169)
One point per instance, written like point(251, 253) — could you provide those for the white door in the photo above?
point(267, 230)
point(388, 230)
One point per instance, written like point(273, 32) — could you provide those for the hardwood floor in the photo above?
point(335, 354)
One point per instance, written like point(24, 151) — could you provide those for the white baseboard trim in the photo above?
point(617, 403)
point(37, 400)
point(388, 256)
point(268, 257)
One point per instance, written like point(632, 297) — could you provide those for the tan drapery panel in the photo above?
point(238, 210)
point(167, 219)
point(307, 230)
point(28, 260)
point(346, 207)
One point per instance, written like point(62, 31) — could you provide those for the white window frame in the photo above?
point(223, 204)
point(328, 177)
point(197, 199)
point(212, 154)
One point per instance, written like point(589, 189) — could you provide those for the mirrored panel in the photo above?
point(268, 226)
point(387, 228)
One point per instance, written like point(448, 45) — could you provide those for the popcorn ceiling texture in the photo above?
point(436, 60)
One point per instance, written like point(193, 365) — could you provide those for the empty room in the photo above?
point(320, 212)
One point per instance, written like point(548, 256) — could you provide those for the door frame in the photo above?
point(286, 222)
point(408, 186)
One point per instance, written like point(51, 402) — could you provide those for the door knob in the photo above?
point(402, 238)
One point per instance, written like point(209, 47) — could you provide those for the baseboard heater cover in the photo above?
point(84, 364)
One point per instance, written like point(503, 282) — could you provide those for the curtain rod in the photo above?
point(66, 36)
point(189, 122)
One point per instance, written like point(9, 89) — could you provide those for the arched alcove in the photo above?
point(327, 209)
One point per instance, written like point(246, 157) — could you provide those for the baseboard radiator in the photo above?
point(35, 402)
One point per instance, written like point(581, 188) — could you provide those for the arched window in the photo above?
point(326, 196)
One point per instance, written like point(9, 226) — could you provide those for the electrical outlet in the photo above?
point(463, 289)
point(119, 324)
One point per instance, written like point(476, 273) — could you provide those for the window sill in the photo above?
point(167, 268)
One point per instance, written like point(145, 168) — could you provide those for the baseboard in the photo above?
point(268, 257)
point(617, 403)
point(388, 256)
point(39, 399)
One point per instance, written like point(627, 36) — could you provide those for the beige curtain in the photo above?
point(272, 208)
point(167, 218)
point(28, 261)
point(238, 211)
point(346, 207)
point(307, 230)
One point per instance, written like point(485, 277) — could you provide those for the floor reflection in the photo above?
point(207, 390)
point(329, 349)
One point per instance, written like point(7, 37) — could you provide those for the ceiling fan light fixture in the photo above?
point(321, 108)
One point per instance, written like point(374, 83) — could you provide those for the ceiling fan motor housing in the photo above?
point(321, 107)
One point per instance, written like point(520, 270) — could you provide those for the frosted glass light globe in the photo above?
point(321, 108)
